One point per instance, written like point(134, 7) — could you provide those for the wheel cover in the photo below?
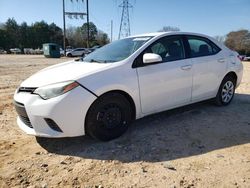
point(110, 116)
point(227, 91)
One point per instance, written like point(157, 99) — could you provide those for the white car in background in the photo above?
point(15, 50)
point(76, 52)
point(247, 58)
point(128, 79)
point(2, 51)
point(61, 52)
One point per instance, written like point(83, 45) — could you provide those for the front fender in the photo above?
point(117, 78)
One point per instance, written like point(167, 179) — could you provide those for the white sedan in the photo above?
point(247, 58)
point(76, 52)
point(15, 50)
point(104, 92)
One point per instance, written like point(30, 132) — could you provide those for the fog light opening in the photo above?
point(53, 125)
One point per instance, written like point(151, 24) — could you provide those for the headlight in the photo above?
point(54, 90)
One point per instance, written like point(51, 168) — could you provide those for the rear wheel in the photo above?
point(108, 117)
point(226, 91)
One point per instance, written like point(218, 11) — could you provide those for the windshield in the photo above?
point(117, 50)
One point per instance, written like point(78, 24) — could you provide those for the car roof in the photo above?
point(168, 33)
point(162, 34)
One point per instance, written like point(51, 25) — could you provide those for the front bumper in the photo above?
point(68, 111)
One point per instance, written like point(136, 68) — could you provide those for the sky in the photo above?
point(211, 17)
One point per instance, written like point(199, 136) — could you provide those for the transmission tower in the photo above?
point(125, 23)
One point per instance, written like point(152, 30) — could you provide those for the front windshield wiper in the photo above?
point(90, 61)
point(109, 61)
point(95, 61)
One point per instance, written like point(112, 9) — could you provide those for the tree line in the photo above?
point(14, 35)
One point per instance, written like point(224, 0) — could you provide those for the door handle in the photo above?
point(222, 60)
point(186, 67)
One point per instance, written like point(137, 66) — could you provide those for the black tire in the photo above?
point(108, 117)
point(69, 55)
point(219, 99)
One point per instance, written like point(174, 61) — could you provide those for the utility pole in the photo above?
point(87, 23)
point(125, 22)
point(111, 31)
point(74, 15)
point(64, 30)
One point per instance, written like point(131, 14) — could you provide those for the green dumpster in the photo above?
point(51, 50)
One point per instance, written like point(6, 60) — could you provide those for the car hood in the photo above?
point(63, 72)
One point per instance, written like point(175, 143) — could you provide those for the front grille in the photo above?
point(20, 109)
point(26, 89)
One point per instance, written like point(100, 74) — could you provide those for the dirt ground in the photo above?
point(201, 145)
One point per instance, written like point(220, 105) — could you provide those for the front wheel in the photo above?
point(108, 117)
point(226, 91)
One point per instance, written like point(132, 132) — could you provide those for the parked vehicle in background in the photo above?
point(94, 48)
point(69, 48)
point(28, 51)
point(101, 94)
point(39, 51)
point(246, 58)
point(15, 50)
point(77, 52)
point(241, 57)
point(61, 52)
point(31, 51)
point(2, 51)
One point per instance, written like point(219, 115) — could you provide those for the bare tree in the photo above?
point(74, 37)
point(220, 38)
point(169, 28)
point(102, 38)
point(239, 41)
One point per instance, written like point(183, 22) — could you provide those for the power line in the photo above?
point(75, 15)
point(125, 22)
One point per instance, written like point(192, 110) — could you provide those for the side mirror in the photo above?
point(151, 58)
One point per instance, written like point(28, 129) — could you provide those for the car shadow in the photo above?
point(187, 131)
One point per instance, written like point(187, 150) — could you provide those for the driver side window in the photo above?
point(158, 48)
point(169, 48)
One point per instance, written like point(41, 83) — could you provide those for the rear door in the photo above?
point(209, 65)
point(168, 83)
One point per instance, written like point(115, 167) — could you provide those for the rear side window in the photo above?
point(169, 48)
point(202, 47)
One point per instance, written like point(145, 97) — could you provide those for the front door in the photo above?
point(169, 83)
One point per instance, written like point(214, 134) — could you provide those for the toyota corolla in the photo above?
point(101, 94)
